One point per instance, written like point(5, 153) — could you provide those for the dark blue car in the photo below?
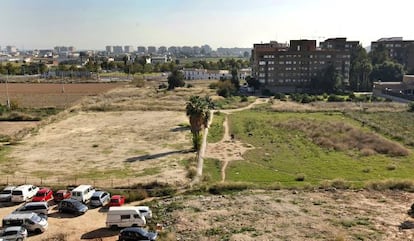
point(72, 206)
point(135, 234)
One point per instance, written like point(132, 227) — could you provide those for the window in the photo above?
point(136, 216)
point(271, 62)
point(281, 62)
point(262, 62)
point(125, 217)
point(328, 56)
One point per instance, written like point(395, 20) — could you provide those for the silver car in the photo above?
point(100, 198)
point(14, 233)
point(6, 193)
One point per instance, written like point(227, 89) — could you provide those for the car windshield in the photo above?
point(94, 198)
point(35, 218)
point(9, 233)
point(6, 192)
point(59, 194)
point(42, 194)
point(17, 192)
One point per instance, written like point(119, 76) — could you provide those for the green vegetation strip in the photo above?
point(293, 158)
point(216, 130)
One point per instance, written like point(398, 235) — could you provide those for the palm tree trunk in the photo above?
point(202, 150)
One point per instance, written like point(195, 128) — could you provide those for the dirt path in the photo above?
point(230, 149)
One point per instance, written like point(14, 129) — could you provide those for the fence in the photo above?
point(63, 182)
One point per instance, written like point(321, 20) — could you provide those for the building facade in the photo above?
point(398, 49)
point(204, 74)
point(289, 69)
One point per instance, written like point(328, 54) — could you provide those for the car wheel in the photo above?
point(19, 239)
point(38, 231)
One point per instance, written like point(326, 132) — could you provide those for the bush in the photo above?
point(222, 188)
point(225, 88)
point(300, 177)
point(411, 106)
point(335, 98)
point(190, 86)
point(267, 92)
point(162, 86)
point(244, 98)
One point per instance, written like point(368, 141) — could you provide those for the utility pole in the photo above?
point(7, 92)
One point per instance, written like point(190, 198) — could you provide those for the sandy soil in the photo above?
point(259, 215)
point(10, 128)
point(120, 144)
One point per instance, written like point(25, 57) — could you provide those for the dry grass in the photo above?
point(291, 106)
point(341, 137)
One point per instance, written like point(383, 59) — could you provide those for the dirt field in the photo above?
point(11, 127)
point(116, 145)
point(51, 95)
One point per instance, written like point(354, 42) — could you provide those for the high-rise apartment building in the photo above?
point(129, 49)
point(142, 50)
point(289, 69)
point(152, 49)
point(109, 49)
point(398, 49)
point(118, 49)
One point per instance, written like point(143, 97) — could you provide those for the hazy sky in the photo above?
point(93, 24)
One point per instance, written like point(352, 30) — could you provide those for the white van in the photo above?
point(23, 193)
point(83, 193)
point(124, 217)
point(31, 221)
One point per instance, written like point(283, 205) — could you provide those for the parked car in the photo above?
point(41, 208)
point(43, 195)
point(117, 200)
point(72, 206)
point(100, 198)
point(14, 233)
point(135, 233)
point(62, 194)
point(123, 217)
point(5, 195)
point(83, 193)
point(30, 221)
point(23, 193)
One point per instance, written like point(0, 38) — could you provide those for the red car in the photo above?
point(62, 194)
point(117, 200)
point(43, 195)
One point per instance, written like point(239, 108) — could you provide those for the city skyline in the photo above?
point(93, 24)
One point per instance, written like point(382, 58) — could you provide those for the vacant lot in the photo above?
point(51, 95)
point(299, 148)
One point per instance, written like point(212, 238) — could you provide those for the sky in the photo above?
point(93, 24)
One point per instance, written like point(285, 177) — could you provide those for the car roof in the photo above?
point(116, 196)
point(13, 228)
point(97, 193)
point(9, 188)
point(23, 186)
point(134, 229)
point(62, 190)
point(44, 189)
point(35, 203)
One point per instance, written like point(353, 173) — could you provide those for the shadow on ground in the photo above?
point(180, 128)
point(154, 156)
point(100, 233)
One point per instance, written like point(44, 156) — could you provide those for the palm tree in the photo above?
point(198, 111)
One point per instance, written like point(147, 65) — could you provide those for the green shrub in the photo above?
point(300, 177)
point(335, 98)
point(244, 98)
point(222, 188)
point(411, 106)
point(267, 92)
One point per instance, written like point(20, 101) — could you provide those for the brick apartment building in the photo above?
point(398, 49)
point(289, 69)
